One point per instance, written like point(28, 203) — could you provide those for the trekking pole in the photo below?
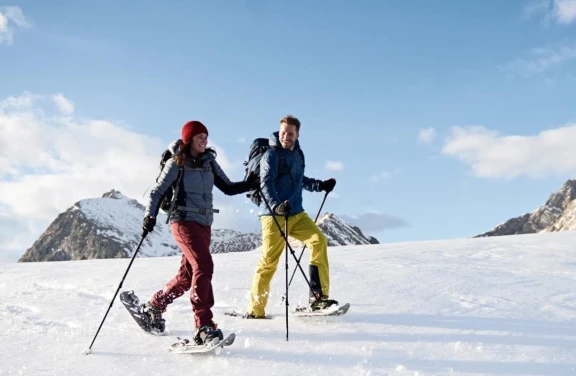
point(286, 240)
point(285, 236)
point(303, 249)
point(144, 233)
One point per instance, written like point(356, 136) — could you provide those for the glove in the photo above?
point(283, 209)
point(148, 224)
point(328, 185)
point(253, 181)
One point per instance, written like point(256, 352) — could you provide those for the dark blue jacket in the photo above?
point(282, 176)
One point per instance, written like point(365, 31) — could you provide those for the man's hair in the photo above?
point(291, 120)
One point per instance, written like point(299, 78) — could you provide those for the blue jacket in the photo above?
point(282, 176)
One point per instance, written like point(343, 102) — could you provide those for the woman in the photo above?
point(190, 225)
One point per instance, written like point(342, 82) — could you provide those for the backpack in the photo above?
point(168, 200)
point(257, 149)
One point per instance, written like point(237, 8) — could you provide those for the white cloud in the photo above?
point(490, 155)
point(373, 221)
point(565, 11)
point(334, 166)
point(72, 158)
point(542, 59)
point(426, 135)
point(16, 103)
point(560, 11)
point(50, 159)
point(8, 17)
point(382, 176)
point(64, 105)
point(3, 23)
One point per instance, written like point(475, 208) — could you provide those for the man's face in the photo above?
point(288, 136)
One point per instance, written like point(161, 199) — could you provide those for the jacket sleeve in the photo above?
point(268, 173)
point(224, 184)
point(312, 185)
point(167, 177)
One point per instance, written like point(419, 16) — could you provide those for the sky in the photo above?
point(494, 306)
point(439, 120)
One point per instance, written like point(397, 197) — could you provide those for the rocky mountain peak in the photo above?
point(339, 232)
point(557, 214)
point(564, 196)
point(114, 194)
point(95, 228)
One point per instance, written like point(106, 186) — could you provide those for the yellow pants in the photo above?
point(301, 227)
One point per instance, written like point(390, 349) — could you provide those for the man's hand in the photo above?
point(149, 223)
point(283, 209)
point(328, 185)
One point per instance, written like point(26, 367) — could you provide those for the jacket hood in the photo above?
point(173, 147)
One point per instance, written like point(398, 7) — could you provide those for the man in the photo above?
point(281, 182)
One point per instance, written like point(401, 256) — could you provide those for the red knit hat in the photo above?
point(191, 129)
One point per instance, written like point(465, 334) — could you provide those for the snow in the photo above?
point(483, 306)
point(122, 218)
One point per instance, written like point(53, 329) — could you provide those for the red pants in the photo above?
point(196, 269)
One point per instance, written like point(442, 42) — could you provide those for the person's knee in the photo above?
point(322, 240)
point(206, 267)
point(266, 269)
point(319, 242)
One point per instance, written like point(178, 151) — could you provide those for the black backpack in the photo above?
point(168, 200)
point(257, 149)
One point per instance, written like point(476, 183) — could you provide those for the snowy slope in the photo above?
point(222, 235)
point(241, 242)
point(485, 306)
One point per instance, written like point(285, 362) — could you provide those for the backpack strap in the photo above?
point(197, 210)
point(207, 168)
point(176, 189)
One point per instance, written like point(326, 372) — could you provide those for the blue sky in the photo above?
point(438, 119)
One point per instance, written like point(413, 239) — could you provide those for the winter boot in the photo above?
point(207, 333)
point(154, 316)
point(322, 303)
point(252, 316)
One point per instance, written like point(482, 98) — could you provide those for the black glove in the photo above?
point(253, 181)
point(283, 209)
point(148, 224)
point(328, 185)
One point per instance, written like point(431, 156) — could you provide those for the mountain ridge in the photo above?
point(110, 227)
